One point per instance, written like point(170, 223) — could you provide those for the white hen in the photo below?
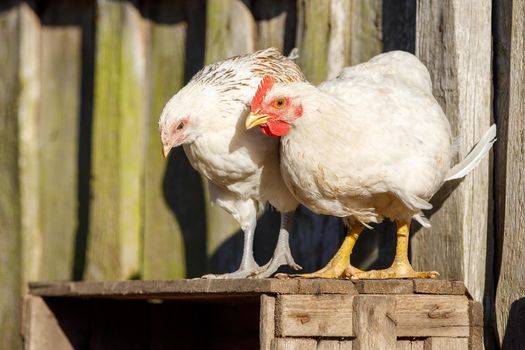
point(242, 167)
point(372, 143)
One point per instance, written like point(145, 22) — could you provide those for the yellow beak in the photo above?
point(255, 119)
point(166, 150)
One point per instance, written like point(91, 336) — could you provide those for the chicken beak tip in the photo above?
point(255, 119)
point(165, 151)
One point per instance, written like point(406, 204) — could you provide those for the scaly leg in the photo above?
point(339, 266)
point(401, 267)
point(282, 254)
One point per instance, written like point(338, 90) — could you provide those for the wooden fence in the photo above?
point(86, 194)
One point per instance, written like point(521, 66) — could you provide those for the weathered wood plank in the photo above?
point(373, 322)
point(275, 24)
point(313, 34)
point(40, 328)
point(428, 286)
point(442, 343)
point(432, 315)
point(114, 247)
point(409, 345)
point(230, 31)
point(164, 255)
point(10, 216)
point(267, 321)
point(334, 345)
point(58, 133)
point(365, 33)
point(294, 344)
point(314, 315)
point(454, 41)
point(240, 287)
point(29, 97)
point(510, 176)
point(384, 287)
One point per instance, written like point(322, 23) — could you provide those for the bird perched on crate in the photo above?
point(370, 144)
point(207, 118)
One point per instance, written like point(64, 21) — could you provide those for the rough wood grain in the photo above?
point(426, 286)
point(409, 345)
point(141, 289)
point(365, 33)
point(29, 97)
point(10, 216)
point(385, 287)
point(432, 315)
point(313, 34)
point(294, 344)
point(334, 345)
point(442, 343)
point(41, 329)
point(510, 182)
point(275, 24)
point(453, 39)
point(373, 323)
point(314, 315)
point(58, 133)
point(164, 255)
point(114, 248)
point(230, 31)
point(267, 321)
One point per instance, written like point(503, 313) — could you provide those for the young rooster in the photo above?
point(207, 118)
point(370, 144)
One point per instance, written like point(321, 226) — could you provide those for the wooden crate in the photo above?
point(251, 314)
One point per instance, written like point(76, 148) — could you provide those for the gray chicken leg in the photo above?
point(282, 254)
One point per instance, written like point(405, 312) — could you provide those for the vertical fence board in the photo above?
point(163, 245)
point(313, 35)
point(511, 285)
point(453, 40)
point(29, 77)
point(275, 24)
point(58, 125)
point(10, 259)
point(365, 33)
point(230, 30)
point(118, 135)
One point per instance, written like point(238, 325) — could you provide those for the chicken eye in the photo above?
point(180, 126)
point(280, 103)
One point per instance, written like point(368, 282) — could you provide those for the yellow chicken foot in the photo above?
point(401, 267)
point(339, 266)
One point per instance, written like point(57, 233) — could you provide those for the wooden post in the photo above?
point(28, 145)
point(510, 162)
point(374, 323)
point(10, 216)
point(276, 24)
point(114, 247)
point(454, 41)
point(163, 243)
point(58, 133)
point(267, 321)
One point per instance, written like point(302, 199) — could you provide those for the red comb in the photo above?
point(265, 85)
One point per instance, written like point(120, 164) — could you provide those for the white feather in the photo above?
point(474, 157)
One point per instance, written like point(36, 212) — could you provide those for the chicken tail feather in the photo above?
point(474, 157)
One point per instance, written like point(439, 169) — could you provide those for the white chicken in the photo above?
point(207, 118)
point(370, 144)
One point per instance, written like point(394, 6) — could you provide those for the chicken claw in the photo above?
point(401, 267)
point(247, 269)
point(282, 254)
point(339, 266)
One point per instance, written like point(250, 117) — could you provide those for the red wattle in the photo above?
point(275, 128)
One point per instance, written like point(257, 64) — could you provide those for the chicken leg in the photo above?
point(282, 254)
point(339, 266)
point(401, 267)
